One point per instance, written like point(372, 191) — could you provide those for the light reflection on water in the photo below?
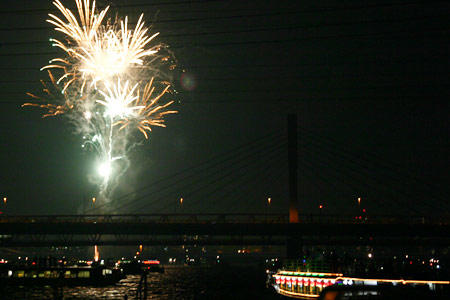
point(176, 283)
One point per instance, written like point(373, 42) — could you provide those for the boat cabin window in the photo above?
point(106, 271)
point(69, 274)
point(84, 274)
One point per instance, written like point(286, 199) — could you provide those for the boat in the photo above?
point(303, 279)
point(309, 285)
point(153, 265)
point(303, 285)
point(134, 267)
point(60, 275)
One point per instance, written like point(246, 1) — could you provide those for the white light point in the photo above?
point(104, 169)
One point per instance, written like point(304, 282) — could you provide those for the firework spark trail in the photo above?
point(99, 84)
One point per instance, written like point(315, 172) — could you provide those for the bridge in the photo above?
point(220, 229)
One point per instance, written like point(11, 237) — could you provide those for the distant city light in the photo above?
point(96, 253)
point(269, 200)
point(5, 199)
point(370, 255)
point(181, 200)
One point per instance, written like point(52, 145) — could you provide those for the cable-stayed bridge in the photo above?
point(220, 229)
point(332, 179)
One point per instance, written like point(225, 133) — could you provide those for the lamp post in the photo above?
point(5, 199)
point(181, 204)
point(269, 201)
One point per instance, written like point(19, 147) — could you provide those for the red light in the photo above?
point(320, 206)
point(410, 262)
point(364, 210)
point(151, 262)
point(33, 263)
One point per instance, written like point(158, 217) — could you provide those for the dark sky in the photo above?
point(368, 81)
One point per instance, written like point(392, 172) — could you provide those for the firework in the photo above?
point(107, 83)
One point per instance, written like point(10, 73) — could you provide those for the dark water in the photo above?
point(183, 282)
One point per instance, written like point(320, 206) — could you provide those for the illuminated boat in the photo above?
point(153, 265)
point(67, 275)
point(303, 285)
point(309, 285)
point(141, 266)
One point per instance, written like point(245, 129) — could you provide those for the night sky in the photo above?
point(368, 81)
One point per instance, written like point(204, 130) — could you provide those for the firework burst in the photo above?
point(99, 83)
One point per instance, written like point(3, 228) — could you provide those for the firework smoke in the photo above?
point(108, 83)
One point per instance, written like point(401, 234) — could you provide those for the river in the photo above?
point(178, 282)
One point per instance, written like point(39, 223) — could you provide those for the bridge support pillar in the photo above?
point(293, 243)
point(293, 168)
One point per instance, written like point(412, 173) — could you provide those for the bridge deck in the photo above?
point(218, 229)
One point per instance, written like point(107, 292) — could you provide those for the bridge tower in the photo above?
point(293, 243)
point(293, 168)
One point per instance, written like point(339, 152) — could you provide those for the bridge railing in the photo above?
point(148, 218)
point(223, 218)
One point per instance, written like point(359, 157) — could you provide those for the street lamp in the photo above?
point(269, 201)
